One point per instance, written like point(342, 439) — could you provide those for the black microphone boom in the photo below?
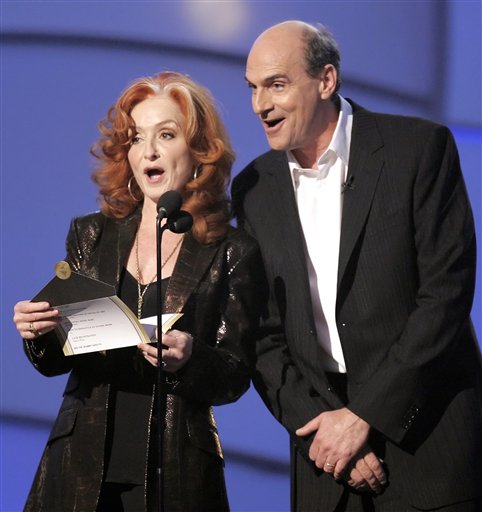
point(169, 203)
point(180, 222)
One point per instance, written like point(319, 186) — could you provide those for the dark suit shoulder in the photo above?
point(259, 165)
point(415, 137)
point(90, 220)
point(411, 125)
point(97, 222)
point(86, 231)
point(405, 139)
point(253, 175)
point(239, 242)
point(237, 236)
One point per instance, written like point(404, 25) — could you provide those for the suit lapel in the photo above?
point(285, 211)
point(117, 242)
point(365, 164)
point(288, 227)
point(192, 264)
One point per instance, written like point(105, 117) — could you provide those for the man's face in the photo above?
point(286, 99)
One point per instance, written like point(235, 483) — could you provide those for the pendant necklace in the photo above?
point(140, 294)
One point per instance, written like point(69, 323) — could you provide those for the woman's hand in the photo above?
point(176, 354)
point(32, 319)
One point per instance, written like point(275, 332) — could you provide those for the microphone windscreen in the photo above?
point(169, 203)
point(180, 222)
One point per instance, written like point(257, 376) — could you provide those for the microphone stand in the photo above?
point(177, 221)
point(160, 383)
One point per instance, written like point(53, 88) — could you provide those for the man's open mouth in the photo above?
point(273, 122)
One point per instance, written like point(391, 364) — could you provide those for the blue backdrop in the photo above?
point(64, 63)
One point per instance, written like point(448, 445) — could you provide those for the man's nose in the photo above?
point(262, 103)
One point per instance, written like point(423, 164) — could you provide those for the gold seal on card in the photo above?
point(62, 270)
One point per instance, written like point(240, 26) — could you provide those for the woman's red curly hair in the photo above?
point(205, 196)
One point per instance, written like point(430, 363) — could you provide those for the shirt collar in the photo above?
point(340, 142)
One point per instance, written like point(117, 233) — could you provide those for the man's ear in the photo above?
point(328, 79)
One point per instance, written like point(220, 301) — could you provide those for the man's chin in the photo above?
point(277, 144)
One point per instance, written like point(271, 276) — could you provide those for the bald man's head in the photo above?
point(292, 96)
point(315, 41)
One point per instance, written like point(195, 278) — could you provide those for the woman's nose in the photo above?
point(151, 153)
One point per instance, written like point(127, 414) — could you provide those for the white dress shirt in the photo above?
point(319, 195)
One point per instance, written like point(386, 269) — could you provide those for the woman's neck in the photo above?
point(149, 211)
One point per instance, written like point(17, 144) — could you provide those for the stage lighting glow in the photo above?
point(217, 21)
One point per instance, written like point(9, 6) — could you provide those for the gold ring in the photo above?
point(329, 465)
point(32, 329)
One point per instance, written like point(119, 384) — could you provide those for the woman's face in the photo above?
point(159, 155)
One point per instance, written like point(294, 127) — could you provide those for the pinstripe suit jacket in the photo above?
point(405, 288)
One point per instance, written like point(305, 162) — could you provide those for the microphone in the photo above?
point(169, 203)
point(348, 185)
point(180, 222)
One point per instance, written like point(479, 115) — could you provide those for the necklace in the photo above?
point(140, 294)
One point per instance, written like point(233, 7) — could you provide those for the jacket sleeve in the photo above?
point(46, 353)
point(218, 372)
point(287, 392)
point(283, 386)
point(435, 341)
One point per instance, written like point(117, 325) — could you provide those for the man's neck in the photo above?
point(309, 155)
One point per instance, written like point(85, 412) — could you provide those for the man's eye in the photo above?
point(277, 86)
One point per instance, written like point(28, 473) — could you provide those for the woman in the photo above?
point(162, 134)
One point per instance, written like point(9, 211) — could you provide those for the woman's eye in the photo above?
point(167, 135)
point(135, 139)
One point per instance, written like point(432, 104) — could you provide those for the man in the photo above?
point(367, 354)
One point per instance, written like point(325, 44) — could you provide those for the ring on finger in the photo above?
point(33, 330)
point(328, 465)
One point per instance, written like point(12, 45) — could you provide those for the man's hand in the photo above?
point(340, 448)
point(340, 439)
point(367, 473)
point(340, 435)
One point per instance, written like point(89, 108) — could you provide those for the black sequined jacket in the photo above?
point(219, 288)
